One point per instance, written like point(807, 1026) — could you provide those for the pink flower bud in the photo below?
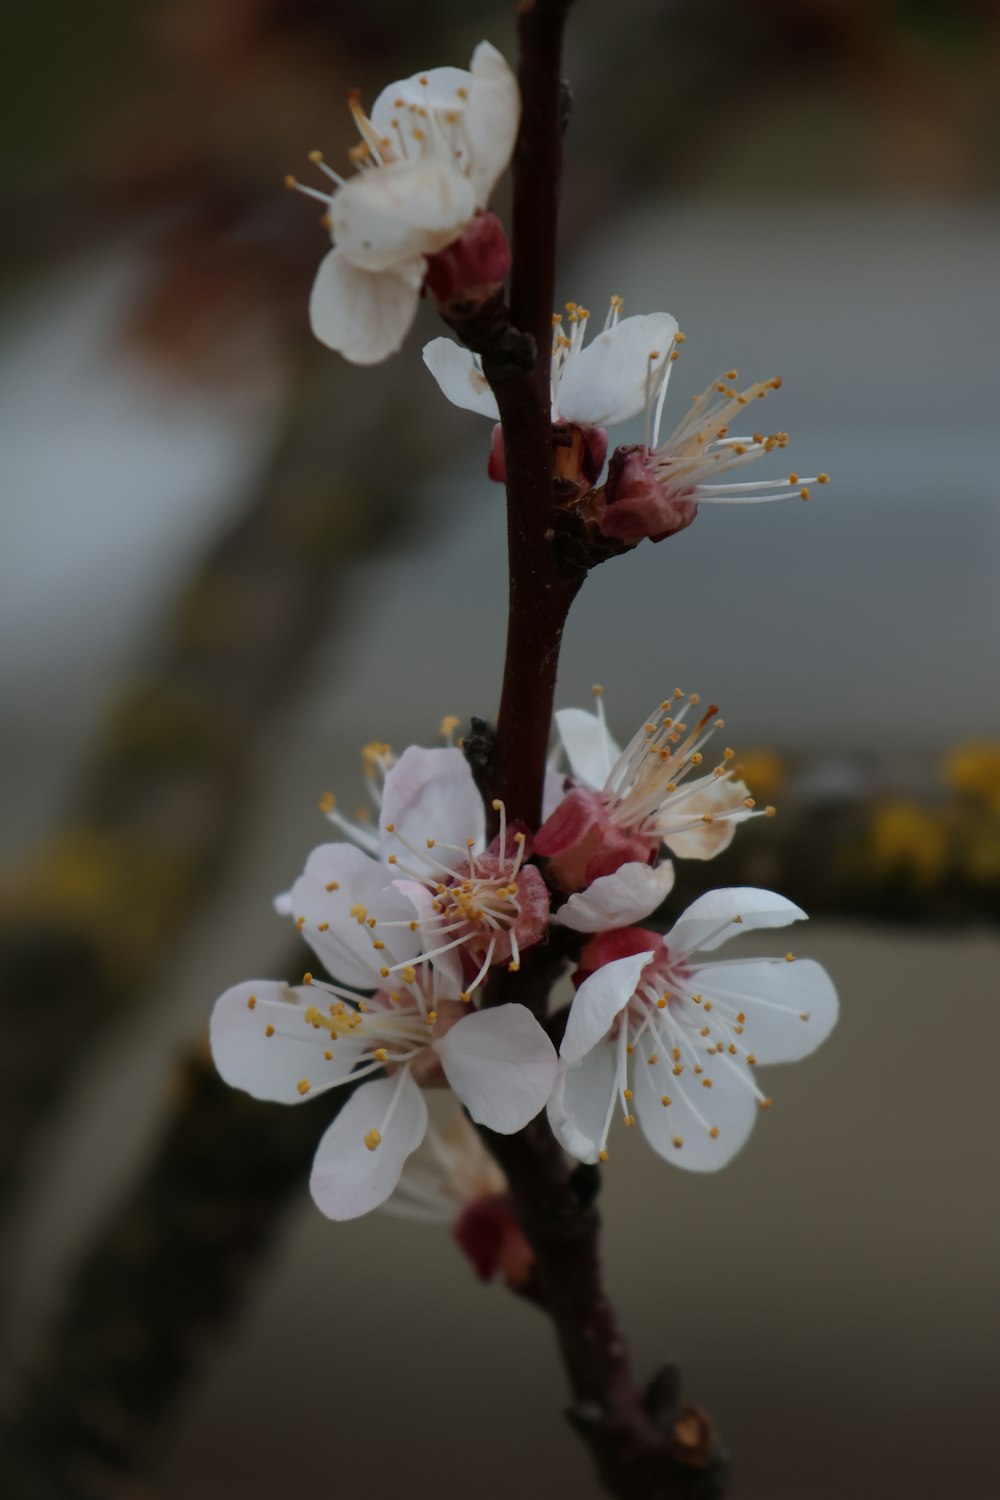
point(639, 503)
point(496, 468)
point(472, 268)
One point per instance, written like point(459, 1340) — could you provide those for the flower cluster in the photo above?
point(652, 489)
point(414, 919)
point(411, 919)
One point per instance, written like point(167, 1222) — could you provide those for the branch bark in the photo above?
point(644, 1444)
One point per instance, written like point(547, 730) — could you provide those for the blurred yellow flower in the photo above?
point(906, 838)
point(763, 771)
point(974, 769)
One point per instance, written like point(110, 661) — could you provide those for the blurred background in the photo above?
point(229, 560)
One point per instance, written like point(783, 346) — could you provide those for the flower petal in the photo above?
point(435, 88)
point(448, 965)
point(597, 1002)
point(618, 900)
point(590, 750)
point(339, 879)
point(347, 1178)
point(681, 1131)
point(719, 915)
point(430, 794)
point(501, 1065)
point(275, 1066)
point(362, 315)
point(607, 381)
point(491, 119)
point(459, 374)
point(579, 1104)
point(719, 799)
point(384, 219)
point(790, 1007)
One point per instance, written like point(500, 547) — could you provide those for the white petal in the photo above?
point(273, 1067)
point(430, 794)
point(491, 119)
point(345, 946)
point(606, 382)
point(283, 903)
point(460, 376)
point(721, 799)
point(728, 1106)
point(590, 750)
point(596, 1003)
point(579, 1104)
point(349, 1180)
point(618, 900)
point(436, 88)
point(790, 1007)
point(385, 218)
point(364, 316)
point(553, 791)
point(448, 966)
point(501, 1065)
point(719, 915)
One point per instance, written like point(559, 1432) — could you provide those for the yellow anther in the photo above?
point(665, 1101)
point(764, 1103)
point(432, 1016)
point(714, 1132)
point(706, 1083)
point(804, 492)
point(322, 927)
point(373, 1140)
point(333, 885)
point(793, 479)
point(300, 922)
point(629, 1094)
point(652, 1058)
point(315, 157)
point(252, 1003)
point(678, 1141)
point(804, 1015)
point(303, 1086)
point(291, 182)
point(327, 802)
point(384, 972)
point(602, 1156)
point(381, 1055)
point(328, 1056)
point(359, 913)
point(769, 812)
point(307, 977)
point(630, 1121)
point(822, 479)
point(751, 1059)
point(789, 957)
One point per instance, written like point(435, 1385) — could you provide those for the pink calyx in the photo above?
point(638, 503)
point(582, 841)
point(472, 268)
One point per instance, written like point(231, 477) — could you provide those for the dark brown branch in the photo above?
point(167, 1273)
point(644, 1445)
point(541, 591)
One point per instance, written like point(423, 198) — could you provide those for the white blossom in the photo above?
point(429, 157)
point(674, 1043)
point(597, 385)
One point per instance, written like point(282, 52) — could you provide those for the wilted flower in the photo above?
point(673, 1043)
point(429, 157)
point(453, 1180)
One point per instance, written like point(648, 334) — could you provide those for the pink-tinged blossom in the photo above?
point(654, 489)
point(428, 160)
point(674, 1043)
point(593, 386)
point(622, 808)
